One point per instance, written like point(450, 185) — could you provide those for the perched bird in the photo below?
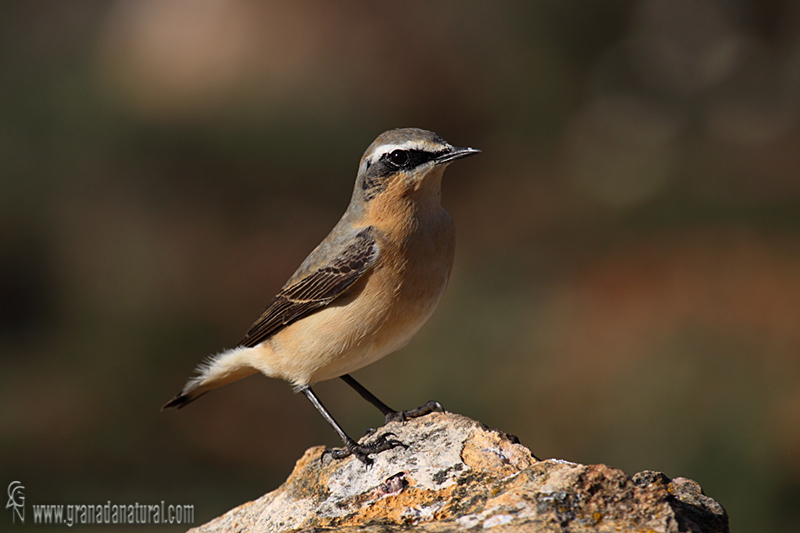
point(363, 292)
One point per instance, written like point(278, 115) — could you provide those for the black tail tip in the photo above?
point(177, 402)
point(182, 399)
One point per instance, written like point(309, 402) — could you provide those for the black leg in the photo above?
point(351, 447)
point(390, 414)
point(367, 395)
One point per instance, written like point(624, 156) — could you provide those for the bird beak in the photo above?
point(455, 153)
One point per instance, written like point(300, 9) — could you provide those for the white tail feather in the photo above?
point(216, 371)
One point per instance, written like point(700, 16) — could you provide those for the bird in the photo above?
point(363, 292)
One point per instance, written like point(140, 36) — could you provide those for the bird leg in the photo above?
point(351, 447)
point(390, 414)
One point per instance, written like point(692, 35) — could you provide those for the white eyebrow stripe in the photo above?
point(408, 145)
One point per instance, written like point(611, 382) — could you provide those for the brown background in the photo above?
point(627, 281)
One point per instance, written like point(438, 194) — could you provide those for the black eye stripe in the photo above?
point(408, 159)
point(375, 173)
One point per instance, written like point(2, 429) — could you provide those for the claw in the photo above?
point(402, 416)
point(367, 433)
point(363, 451)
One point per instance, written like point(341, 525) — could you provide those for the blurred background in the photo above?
point(627, 280)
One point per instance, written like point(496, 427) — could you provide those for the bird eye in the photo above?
point(399, 157)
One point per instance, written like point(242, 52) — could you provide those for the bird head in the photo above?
point(406, 162)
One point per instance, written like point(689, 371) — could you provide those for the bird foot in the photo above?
point(402, 416)
point(363, 451)
point(368, 433)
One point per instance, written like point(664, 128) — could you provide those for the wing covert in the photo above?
point(317, 289)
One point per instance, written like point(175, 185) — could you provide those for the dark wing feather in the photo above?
point(316, 290)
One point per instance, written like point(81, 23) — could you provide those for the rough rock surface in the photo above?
point(455, 474)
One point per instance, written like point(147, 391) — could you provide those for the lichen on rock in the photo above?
point(455, 473)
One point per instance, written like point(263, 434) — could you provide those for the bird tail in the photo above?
point(221, 369)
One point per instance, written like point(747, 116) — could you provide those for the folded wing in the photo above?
point(317, 289)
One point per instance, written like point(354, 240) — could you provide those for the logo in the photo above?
point(16, 501)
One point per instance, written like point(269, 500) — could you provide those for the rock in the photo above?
point(457, 474)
